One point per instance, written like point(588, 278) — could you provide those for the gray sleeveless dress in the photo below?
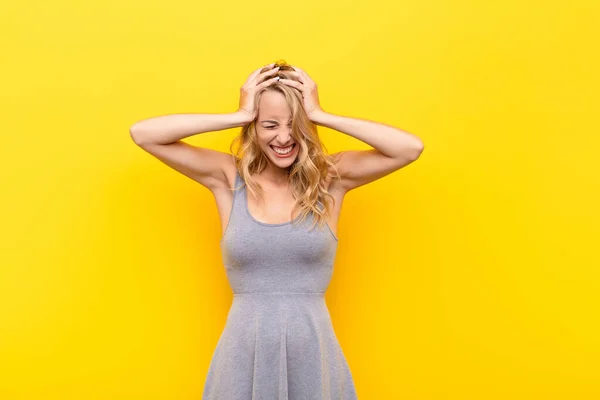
point(278, 342)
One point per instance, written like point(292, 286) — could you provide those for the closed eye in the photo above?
point(273, 126)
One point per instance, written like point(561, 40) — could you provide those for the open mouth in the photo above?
point(283, 151)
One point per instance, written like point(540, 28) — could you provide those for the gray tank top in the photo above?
point(284, 257)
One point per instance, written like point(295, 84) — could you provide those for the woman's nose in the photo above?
point(284, 135)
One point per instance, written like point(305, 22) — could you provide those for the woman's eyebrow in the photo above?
point(272, 120)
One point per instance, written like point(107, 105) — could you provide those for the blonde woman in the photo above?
point(279, 196)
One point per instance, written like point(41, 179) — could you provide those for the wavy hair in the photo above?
point(308, 173)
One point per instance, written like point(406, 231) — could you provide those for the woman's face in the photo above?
point(274, 130)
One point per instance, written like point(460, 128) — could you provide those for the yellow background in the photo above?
point(470, 274)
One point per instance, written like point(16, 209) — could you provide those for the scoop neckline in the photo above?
point(260, 222)
point(245, 201)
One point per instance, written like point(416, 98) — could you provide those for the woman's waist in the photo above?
point(278, 293)
point(277, 301)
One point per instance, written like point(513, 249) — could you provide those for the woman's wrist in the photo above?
point(319, 117)
point(241, 117)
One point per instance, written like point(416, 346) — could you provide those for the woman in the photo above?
point(279, 237)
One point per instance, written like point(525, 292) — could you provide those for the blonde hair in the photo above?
point(309, 171)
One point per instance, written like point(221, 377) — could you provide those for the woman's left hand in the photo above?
point(308, 87)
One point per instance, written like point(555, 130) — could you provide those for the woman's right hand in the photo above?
point(252, 85)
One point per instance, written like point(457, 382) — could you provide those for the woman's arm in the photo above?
point(161, 137)
point(166, 129)
point(393, 148)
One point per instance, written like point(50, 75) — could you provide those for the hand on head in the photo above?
point(283, 72)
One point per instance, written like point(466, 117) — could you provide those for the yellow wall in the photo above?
point(470, 274)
